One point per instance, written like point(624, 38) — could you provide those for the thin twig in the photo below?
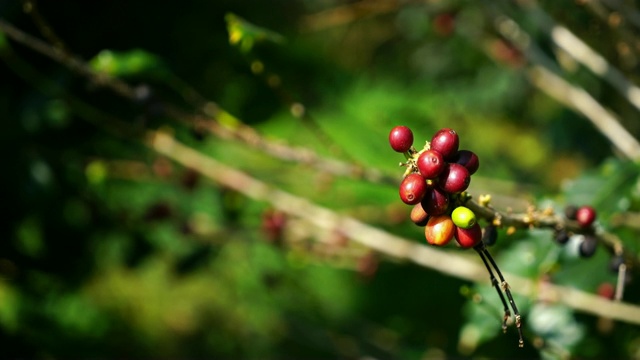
point(71, 62)
point(507, 290)
point(496, 285)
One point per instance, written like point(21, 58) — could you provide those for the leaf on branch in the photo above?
point(245, 34)
point(129, 63)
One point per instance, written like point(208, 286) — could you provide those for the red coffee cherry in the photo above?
point(412, 189)
point(273, 225)
point(454, 178)
point(607, 290)
point(468, 238)
point(446, 142)
point(401, 138)
point(418, 215)
point(469, 160)
point(430, 163)
point(585, 216)
point(435, 201)
point(439, 230)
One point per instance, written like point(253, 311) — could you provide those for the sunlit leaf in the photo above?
point(245, 34)
point(129, 63)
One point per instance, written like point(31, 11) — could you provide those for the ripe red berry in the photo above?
point(273, 225)
point(585, 216)
point(454, 178)
point(401, 138)
point(418, 215)
point(439, 230)
point(468, 238)
point(430, 163)
point(435, 202)
point(412, 189)
point(607, 290)
point(446, 142)
point(444, 24)
point(469, 160)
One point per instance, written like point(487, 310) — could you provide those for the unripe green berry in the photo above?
point(463, 217)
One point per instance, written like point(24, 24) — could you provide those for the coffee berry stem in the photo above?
point(494, 282)
point(504, 287)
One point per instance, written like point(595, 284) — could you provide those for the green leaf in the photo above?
point(245, 34)
point(129, 63)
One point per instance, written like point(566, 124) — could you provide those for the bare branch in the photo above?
point(571, 96)
point(579, 100)
point(71, 62)
point(584, 54)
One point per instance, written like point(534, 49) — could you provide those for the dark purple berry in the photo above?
point(616, 261)
point(561, 236)
point(588, 246)
point(435, 202)
point(570, 212)
point(401, 138)
point(430, 163)
point(158, 211)
point(418, 215)
point(585, 216)
point(468, 159)
point(490, 235)
point(412, 189)
point(454, 178)
point(446, 142)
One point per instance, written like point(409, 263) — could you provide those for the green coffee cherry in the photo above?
point(463, 217)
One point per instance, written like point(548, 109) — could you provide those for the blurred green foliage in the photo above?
point(111, 250)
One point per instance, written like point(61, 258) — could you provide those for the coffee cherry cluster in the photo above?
point(435, 182)
point(585, 217)
point(436, 177)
